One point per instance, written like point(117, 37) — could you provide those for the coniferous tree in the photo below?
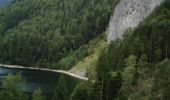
point(162, 81)
point(82, 92)
point(61, 90)
point(37, 95)
point(128, 76)
point(13, 88)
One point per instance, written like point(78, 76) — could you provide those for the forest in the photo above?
point(45, 32)
point(53, 33)
point(135, 67)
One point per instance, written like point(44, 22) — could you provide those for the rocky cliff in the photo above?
point(129, 13)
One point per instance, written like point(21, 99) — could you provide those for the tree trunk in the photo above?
point(166, 55)
point(101, 92)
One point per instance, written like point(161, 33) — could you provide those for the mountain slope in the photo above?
point(135, 67)
point(43, 32)
point(61, 34)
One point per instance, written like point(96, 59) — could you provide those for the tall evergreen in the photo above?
point(13, 88)
point(61, 90)
point(37, 95)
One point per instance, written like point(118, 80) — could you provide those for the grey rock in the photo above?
point(129, 13)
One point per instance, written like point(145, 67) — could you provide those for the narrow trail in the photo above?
point(45, 69)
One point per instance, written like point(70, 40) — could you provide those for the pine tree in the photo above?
point(12, 88)
point(162, 81)
point(128, 78)
point(37, 95)
point(61, 90)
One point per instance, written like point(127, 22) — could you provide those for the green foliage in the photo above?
point(128, 75)
point(73, 58)
point(61, 90)
point(102, 65)
point(161, 88)
point(114, 83)
point(82, 92)
point(98, 90)
point(12, 88)
point(109, 82)
point(45, 32)
point(11, 81)
point(34, 38)
point(150, 44)
point(37, 95)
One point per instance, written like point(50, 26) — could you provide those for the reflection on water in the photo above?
point(46, 80)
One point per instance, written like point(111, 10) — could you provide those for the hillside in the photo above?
point(135, 67)
point(130, 63)
point(48, 33)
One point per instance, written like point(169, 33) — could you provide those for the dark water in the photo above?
point(4, 2)
point(46, 80)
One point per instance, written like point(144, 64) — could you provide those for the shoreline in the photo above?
point(45, 69)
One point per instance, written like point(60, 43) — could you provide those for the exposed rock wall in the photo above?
point(129, 13)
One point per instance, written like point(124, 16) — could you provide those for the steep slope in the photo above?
point(44, 32)
point(135, 67)
point(129, 13)
point(87, 66)
point(142, 58)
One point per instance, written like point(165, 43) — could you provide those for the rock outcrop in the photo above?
point(129, 13)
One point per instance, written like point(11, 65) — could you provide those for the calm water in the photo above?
point(46, 80)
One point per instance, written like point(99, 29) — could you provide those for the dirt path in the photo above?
point(44, 69)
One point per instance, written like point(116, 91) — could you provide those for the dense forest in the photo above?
point(135, 67)
point(54, 33)
point(44, 32)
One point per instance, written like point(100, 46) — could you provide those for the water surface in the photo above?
point(46, 80)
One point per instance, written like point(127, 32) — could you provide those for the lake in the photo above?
point(46, 80)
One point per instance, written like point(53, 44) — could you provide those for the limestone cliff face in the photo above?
point(129, 13)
